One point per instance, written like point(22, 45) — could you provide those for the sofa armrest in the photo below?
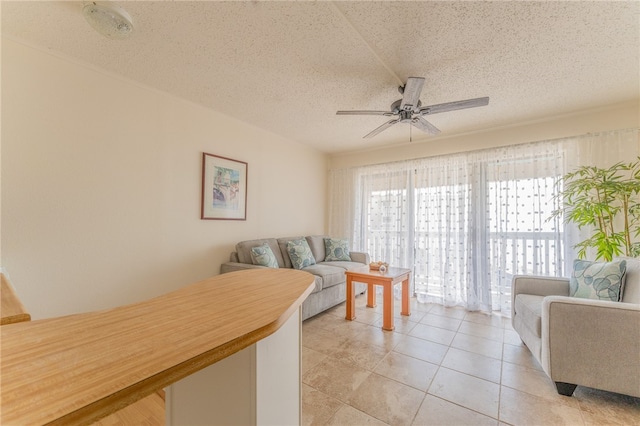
point(540, 286)
point(537, 285)
point(593, 343)
point(360, 257)
point(237, 266)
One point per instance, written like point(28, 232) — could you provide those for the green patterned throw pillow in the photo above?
point(300, 253)
point(336, 250)
point(597, 280)
point(263, 256)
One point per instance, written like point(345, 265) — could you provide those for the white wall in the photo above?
point(623, 116)
point(101, 181)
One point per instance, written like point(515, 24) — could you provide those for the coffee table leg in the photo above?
point(405, 298)
point(387, 314)
point(351, 300)
point(371, 296)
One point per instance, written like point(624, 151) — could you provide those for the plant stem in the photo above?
point(627, 234)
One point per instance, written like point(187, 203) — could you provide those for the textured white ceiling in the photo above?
point(288, 66)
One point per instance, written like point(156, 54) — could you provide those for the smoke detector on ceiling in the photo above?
point(108, 19)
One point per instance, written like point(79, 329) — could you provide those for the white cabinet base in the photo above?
point(259, 385)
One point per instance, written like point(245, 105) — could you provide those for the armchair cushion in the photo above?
point(530, 307)
point(597, 280)
point(539, 286)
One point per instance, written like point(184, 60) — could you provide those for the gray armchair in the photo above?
point(578, 341)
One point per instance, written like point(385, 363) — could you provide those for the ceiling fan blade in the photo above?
point(452, 106)
point(386, 113)
point(424, 125)
point(385, 126)
point(411, 93)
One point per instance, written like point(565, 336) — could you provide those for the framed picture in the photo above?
point(224, 188)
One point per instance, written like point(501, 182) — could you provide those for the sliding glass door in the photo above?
point(467, 223)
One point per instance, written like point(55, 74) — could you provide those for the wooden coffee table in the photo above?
point(387, 280)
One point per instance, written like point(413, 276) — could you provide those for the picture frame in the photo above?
point(224, 188)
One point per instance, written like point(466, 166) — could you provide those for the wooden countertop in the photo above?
point(12, 308)
point(78, 368)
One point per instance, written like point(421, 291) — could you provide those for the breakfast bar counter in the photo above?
point(79, 368)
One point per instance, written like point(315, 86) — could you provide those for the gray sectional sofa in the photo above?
point(330, 286)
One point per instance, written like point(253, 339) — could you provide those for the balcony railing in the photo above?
point(497, 256)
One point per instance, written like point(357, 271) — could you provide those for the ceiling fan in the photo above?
point(409, 109)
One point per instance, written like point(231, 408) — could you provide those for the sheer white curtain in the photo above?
point(602, 149)
point(480, 219)
point(445, 231)
point(466, 223)
point(343, 196)
point(383, 222)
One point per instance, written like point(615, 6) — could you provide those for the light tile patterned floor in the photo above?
point(441, 366)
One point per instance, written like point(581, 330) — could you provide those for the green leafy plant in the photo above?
point(607, 201)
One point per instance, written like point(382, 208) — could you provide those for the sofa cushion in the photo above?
point(597, 280)
point(300, 253)
point(529, 307)
point(343, 265)
point(318, 284)
point(336, 250)
point(264, 256)
point(282, 243)
point(631, 287)
point(316, 242)
point(330, 274)
point(243, 249)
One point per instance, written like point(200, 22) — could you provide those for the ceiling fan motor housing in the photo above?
point(406, 116)
point(395, 107)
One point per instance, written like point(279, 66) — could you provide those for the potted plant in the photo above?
point(606, 201)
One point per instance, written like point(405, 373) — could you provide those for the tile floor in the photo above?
point(440, 366)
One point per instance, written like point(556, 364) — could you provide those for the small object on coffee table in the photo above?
point(375, 266)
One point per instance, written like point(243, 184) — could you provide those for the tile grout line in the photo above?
point(516, 359)
point(501, 387)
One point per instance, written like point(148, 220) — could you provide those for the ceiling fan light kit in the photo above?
point(409, 109)
point(108, 19)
